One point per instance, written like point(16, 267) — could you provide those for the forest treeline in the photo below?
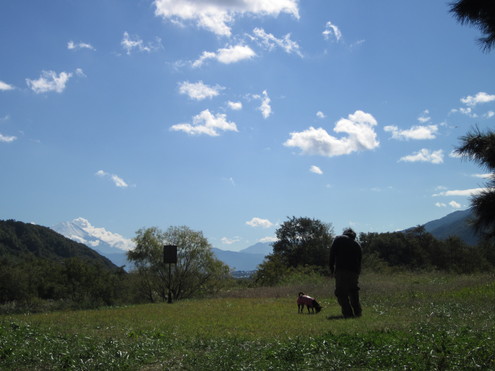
point(42, 270)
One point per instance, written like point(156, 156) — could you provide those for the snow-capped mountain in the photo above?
point(109, 244)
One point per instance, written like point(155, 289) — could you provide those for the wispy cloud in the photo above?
point(117, 181)
point(320, 115)
point(424, 155)
point(6, 138)
point(4, 86)
point(49, 81)
point(258, 222)
point(71, 45)
point(206, 123)
point(216, 16)
point(268, 239)
point(199, 90)
point(235, 106)
point(481, 97)
point(331, 31)
point(358, 126)
point(471, 101)
point(483, 176)
point(229, 241)
point(264, 108)
point(424, 117)
point(135, 43)
point(316, 170)
point(270, 42)
point(415, 132)
point(460, 192)
point(455, 205)
point(228, 55)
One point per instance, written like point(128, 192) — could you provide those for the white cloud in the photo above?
point(483, 176)
point(217, 15)
point(268, 239)
point(228, 55)
point(229, 241)
point(258, 222)
point(236, 106)
point(455, 205)
point(489, 114)
point(6, 139)
point(461, 192)
point(423, 118)
point(424, 155)
point(269, 41)
point(480, 97)
point(320, 115)
point(49, 81)
point(71, 45)
point(415, 132)
point(468, 111)
point(359, 128)
point(454, 154)
point(332, 30)
point(316, 170)
point(4, 86)
point(265, 108)
point(440, 204)
point(199, 90)
point(117, 181)
point(134, 43)
point(206, 123)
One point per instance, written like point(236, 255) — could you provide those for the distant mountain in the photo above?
point(263, 248)
point(111, 245)
point(454, 224)
point(247, 259)
point(21, 241)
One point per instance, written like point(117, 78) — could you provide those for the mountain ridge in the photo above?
point(114, 246)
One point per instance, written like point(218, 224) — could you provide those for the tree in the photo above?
point(480, 147)
point(197, 270)
point(481, 13)
point(303, 241)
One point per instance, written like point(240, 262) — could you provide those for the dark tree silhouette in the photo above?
point(476, 145)
point(480, 13)
point(479, 147)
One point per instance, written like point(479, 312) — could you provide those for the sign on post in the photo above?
point(170, 254)
point(169, 257)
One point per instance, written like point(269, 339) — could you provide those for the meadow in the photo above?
point(411, 321)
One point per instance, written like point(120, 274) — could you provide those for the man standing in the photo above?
point(345, 266)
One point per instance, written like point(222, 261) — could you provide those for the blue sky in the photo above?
point(230, 116)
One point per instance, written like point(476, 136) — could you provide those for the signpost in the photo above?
point(169, 257)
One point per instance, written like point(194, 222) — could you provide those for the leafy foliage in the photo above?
point(481, 13)
point(300, 242)
point(418, 250)
point(197, 270)
point(479, 147)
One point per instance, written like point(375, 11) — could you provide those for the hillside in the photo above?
point(21, 241)
point(454, 224)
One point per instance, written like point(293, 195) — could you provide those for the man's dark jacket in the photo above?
point(345, 254)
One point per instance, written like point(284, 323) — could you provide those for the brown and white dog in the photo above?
point(309, 302)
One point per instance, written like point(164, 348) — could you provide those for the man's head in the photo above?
point(349, 232)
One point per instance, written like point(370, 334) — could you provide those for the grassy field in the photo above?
point(410, 321)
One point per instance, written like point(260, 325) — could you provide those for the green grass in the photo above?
point(411, 321)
